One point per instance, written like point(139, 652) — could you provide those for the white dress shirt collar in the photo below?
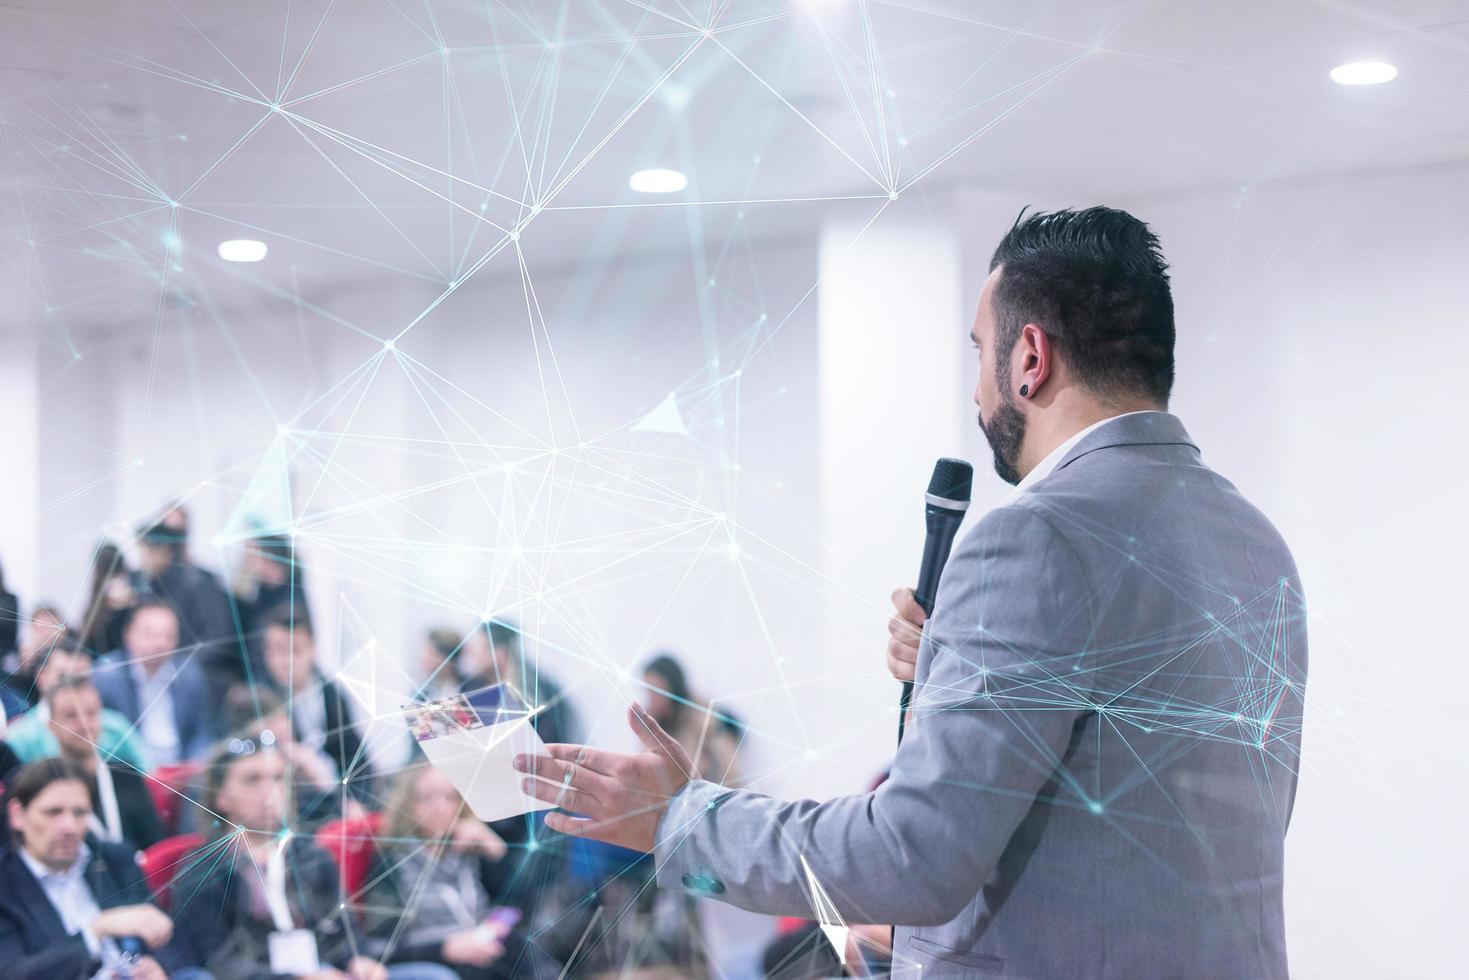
point(70, 895)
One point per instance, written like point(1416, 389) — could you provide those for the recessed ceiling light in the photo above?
point(658, 181)
point(1363, 73)
point(242, 250)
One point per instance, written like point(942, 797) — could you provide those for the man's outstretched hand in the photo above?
point(616, 798)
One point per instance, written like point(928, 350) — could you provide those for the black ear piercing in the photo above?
point(1024, 390)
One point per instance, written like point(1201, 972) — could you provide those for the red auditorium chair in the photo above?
point(166, 784)
point(164, 860)
point(349, 841)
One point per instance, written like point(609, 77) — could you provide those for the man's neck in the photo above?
point(261, 845)
point(86, 762)
point(1046, 430)
point(50, 865)
point(150, 665)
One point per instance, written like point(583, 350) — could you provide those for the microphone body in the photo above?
point(945, 504)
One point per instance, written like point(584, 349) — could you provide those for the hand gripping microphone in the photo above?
point(944, 505)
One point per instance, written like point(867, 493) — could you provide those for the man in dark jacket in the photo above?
point(207, 626)
point(253, 905)
point(70, 907)
point(159, 687)
point(321, 716)
point(122, 808)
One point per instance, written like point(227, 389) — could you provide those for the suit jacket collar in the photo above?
point(1140, 429)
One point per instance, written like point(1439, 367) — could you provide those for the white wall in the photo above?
point(491, 463)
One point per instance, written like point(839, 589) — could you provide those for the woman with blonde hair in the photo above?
point(436, 875)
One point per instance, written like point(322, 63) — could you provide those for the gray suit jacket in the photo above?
point(1101, 767)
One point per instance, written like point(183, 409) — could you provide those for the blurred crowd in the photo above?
point(189, 794)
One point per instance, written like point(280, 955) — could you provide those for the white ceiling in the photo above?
point(377, 138)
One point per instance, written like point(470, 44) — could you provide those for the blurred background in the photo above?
point(641, 324)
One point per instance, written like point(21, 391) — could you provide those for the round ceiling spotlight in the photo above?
point(658, 181)
point(242, 250)
point(1363, 73)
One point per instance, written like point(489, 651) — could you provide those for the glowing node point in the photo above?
point(389, 345)
point(892, 195)
point(515, 236)
point(1095, 807)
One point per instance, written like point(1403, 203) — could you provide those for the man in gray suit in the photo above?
point(1101, 763)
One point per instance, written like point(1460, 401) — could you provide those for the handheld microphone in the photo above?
point(945, 503)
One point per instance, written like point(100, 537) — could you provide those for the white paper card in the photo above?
point(473, 739)
point(293, 953)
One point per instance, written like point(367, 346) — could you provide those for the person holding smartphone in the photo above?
point(436, 876)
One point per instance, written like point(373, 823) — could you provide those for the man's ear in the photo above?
point(1035, 358)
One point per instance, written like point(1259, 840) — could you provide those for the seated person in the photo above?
point(122, 808)
point(158, 687)
point(256, 903)
point(68, 909)
point(20, 668)
point(258, 715)
point(321, 715)
point(436, 872)
point(30, 735)
point(439, 665)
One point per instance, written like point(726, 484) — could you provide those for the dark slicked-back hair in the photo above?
point(1096, 282)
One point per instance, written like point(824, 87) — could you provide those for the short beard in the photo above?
point(1005, 431)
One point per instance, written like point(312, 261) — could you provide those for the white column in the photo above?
point(20, 408)
point(892, 344)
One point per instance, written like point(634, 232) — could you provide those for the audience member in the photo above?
point(45, 628)
point(494, 653)
point(258, 904)
point(9, 618)
point(206, 617)
point(30, 735)
point(157, 687)
point(69, 909)
point(437, 885)
point(439, 665)
point(320, 715)
point(110, 596)
point(271, 578)
point(122, 808)
point(711, 738)
point(259, 715)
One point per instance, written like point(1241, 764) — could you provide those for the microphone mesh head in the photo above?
point(953, 479)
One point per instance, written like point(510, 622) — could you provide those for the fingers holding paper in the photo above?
point(616, 797)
